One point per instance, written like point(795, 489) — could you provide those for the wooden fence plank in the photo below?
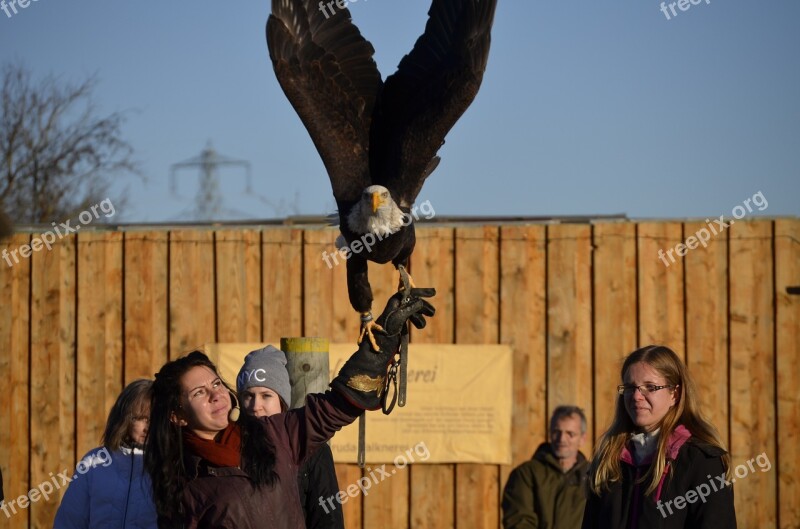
point(707, 325)
point(318, 299)
point(282, 273)
point(387, 503)
point(523, 326)
point(523, 281)
point(661, 303)
point(569, 313)
point(433, 486)
point(787, 274)
point(477, 321)
point(192, 319)
point(752, 370)
point(615, 329)
point(52, 400)
point(238, 285)
point(326, 313)
point(15, 285)
point(99, 333)
point(146, 308)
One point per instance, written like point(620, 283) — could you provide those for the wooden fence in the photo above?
point(103, 308)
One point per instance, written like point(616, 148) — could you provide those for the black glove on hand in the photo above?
point(362, 379)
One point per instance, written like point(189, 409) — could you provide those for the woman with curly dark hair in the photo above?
point(212, 467)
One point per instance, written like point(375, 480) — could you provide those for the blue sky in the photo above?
point(586, 108)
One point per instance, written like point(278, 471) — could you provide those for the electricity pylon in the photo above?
point(209, 198)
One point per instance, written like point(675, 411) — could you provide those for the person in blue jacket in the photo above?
point(110, 487)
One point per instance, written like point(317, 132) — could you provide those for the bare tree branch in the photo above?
point(56, 156)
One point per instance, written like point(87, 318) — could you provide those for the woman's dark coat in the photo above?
point(225, 498)
point(692, 494)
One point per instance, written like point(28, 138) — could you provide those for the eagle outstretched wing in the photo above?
point(432, 88)
point(327, 72)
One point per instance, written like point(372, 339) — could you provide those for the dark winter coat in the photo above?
point(540, 495)
point(225, 498)
point(317, 480)
point(695, 470)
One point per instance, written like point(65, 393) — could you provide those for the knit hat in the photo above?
point(266, 368)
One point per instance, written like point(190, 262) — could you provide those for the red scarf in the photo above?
point(224, 452)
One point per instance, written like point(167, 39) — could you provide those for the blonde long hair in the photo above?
point(606, 468)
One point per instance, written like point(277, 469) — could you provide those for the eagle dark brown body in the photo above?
point(373, 133)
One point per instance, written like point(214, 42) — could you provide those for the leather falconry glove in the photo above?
point(363, 378)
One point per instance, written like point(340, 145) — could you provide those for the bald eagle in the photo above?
point(378, 140)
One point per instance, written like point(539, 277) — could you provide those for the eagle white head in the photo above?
point(376, 212)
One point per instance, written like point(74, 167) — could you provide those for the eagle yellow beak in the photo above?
point(376, 202)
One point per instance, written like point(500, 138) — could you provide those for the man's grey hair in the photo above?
point(566, 411)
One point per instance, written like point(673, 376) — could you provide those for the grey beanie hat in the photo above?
point(266, 368)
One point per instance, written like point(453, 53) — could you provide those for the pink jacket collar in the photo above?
point(677, 439)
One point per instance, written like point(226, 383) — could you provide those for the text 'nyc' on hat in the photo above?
point(266, 368)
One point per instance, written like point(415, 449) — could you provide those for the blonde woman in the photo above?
point(660, 464)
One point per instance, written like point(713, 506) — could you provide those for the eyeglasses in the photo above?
point(644, 389)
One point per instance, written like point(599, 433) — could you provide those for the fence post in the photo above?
point(308, 365)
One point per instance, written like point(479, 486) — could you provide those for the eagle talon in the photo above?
point(406, 281)
point(367, 328)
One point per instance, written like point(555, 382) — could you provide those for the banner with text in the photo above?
point(458, 404)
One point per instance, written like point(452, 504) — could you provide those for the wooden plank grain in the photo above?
point(324, 310)
point(238, 285)
point(282, 289)
point(787, 274)
point(99, 333)
point(569, 314)
point(432, 494)
point(661, 298)
point(387, 503)
point(707, 325)
point(752, 370)
point(52, 383)
point(477, 321)
point(15, 287)
point(614, 313)
point(318, 298)
point(523, 283)
point(192, 317)
point(146, 307)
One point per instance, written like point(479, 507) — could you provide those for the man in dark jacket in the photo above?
point(548, 492)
